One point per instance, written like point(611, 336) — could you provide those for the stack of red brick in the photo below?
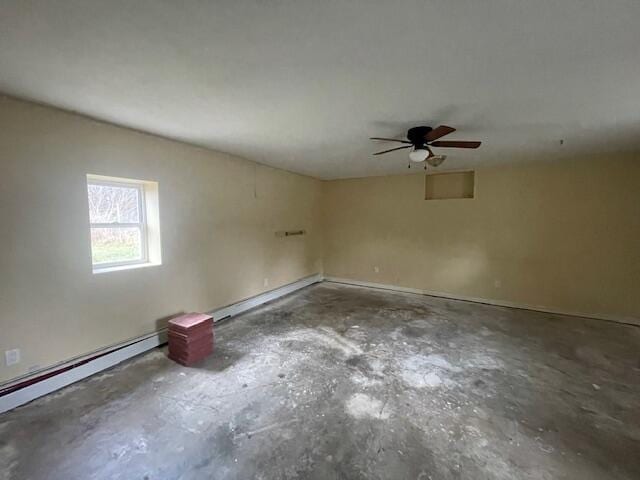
point(190, 338)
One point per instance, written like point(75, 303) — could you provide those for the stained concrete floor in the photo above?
point(339, 382)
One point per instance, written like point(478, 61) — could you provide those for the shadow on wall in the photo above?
point(465, 265)
point(163, 323)
point(459, 266)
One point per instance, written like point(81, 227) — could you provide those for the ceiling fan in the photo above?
point(422, 138)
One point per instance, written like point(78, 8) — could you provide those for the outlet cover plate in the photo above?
point(12, 357)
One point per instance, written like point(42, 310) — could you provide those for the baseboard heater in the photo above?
point(68, 366)
point(21, 391)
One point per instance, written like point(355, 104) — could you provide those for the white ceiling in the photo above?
point(302, 84)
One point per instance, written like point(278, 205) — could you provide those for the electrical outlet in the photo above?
point(265, 282)
point(497, 283)
point(11, 357)
point(376, 269)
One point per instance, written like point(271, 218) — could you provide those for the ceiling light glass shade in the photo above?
point(436, 160)
point(419, 155)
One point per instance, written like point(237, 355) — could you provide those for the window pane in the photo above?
point(109, 204)
point(111, 245)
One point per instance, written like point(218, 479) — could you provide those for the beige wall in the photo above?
point(563, 236)
point(218, 215)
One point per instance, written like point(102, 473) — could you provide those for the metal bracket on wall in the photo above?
point(290, 233)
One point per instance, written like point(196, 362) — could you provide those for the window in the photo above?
point(118, 216)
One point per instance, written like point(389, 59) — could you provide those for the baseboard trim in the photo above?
point(252, 302)
point(82, 367)
point(72, 374)
point(498, 303)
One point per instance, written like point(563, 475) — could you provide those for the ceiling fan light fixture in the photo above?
point(418, 155)
point(436, 160)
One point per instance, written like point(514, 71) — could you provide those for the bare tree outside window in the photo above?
point(116, 213)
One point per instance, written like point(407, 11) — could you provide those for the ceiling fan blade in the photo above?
point(438, 132)
point(389, 139)
point(455, 144)
point(393, 149)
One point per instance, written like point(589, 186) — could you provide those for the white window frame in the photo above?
point(141, 225)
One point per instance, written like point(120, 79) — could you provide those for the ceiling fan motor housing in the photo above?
point(416, 136)
point(422, 138)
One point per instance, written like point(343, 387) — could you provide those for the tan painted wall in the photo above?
point(218, 215)
point(563, 235)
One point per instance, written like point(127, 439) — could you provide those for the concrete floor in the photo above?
point(339, 382)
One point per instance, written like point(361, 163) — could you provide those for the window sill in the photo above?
point(117, 268)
